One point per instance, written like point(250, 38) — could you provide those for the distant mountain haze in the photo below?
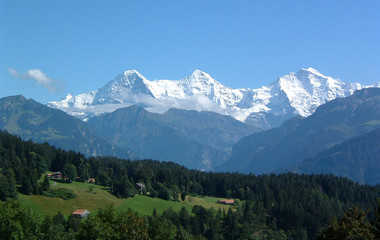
point(301, 138)
point(357, 159)
point(34, 121)
point(195, 139)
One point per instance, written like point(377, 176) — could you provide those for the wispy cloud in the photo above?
point(40, 78)
point(161, 105)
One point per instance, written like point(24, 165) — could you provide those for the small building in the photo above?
point(56, 175)
point(82, 213)
point(227, 201)
point(141, 186)
point(91, 180)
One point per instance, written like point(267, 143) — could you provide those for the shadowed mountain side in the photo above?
point(196, 139)
point(298, 139)
point(208, 128)
point(357, 159)
point(32, 120)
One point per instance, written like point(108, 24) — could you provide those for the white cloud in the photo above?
point(160, 105)
point(40, 78)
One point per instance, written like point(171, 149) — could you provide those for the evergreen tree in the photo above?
point(376, 224)
point(45, 185)
point(17, 222)
point(7, 185)
point(26, 186)
point(352, 225)
point(83, 172)
point(122, 187)
point(70, 172)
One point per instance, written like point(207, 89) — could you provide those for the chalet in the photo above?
point(56, 175)
point(141, 186)
point(91, 180)
point(227, 201)
point(82, 213)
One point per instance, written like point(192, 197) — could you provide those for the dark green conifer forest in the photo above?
point(285, 206)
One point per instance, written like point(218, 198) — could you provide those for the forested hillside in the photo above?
point(286, 206)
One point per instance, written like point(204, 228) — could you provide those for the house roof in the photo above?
point(79, 211)
point(227, 201)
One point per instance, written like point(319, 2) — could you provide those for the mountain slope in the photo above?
point(208, 128)
point(300, 138)
point(151, 136)
point(357, 158)
point(32, 120)
point(294, 94)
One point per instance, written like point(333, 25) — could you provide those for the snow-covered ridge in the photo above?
point(297, 93)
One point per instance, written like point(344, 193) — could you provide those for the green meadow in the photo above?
point(92, 197)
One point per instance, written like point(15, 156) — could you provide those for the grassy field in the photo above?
point(92, 197)
point(86, 198)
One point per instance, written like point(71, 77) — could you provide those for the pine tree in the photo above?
point(45, 185)
point(83, 173)
point(26, 186)
point(7, 185)
point(70, 172)
point(377, 221)
point(352, 225)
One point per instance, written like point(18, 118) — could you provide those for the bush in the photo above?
point(63, 193)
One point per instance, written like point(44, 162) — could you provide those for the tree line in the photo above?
point(288, 206)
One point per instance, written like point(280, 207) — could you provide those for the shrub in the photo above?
point(63, 193)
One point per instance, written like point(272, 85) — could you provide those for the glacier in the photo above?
point(297, 93)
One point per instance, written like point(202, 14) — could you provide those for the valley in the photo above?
point(189, 120)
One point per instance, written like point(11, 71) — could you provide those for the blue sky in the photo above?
point(78, 46)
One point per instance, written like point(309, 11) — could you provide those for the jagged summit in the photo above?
point(198, 74)
point(131, 72)
point(308, 88)
point(121, 88)
point(311, 70)
point(297, 93)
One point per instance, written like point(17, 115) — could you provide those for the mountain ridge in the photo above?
point(301, 138)
point(35, 121)
point(200, 140)
point(356, 159)
point(294, 94)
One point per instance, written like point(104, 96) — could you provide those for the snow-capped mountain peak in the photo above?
point(201, 76)
point(298, 93)
point(127, 79)
point(308, 88)
point(199, 79)
point(133, 75)
point(313, 71)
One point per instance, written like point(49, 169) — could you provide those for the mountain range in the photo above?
point(301, 138)
point(34, 121)
point(357, 159)
point(201, 140)
point(294, 94)
point(303, 122)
